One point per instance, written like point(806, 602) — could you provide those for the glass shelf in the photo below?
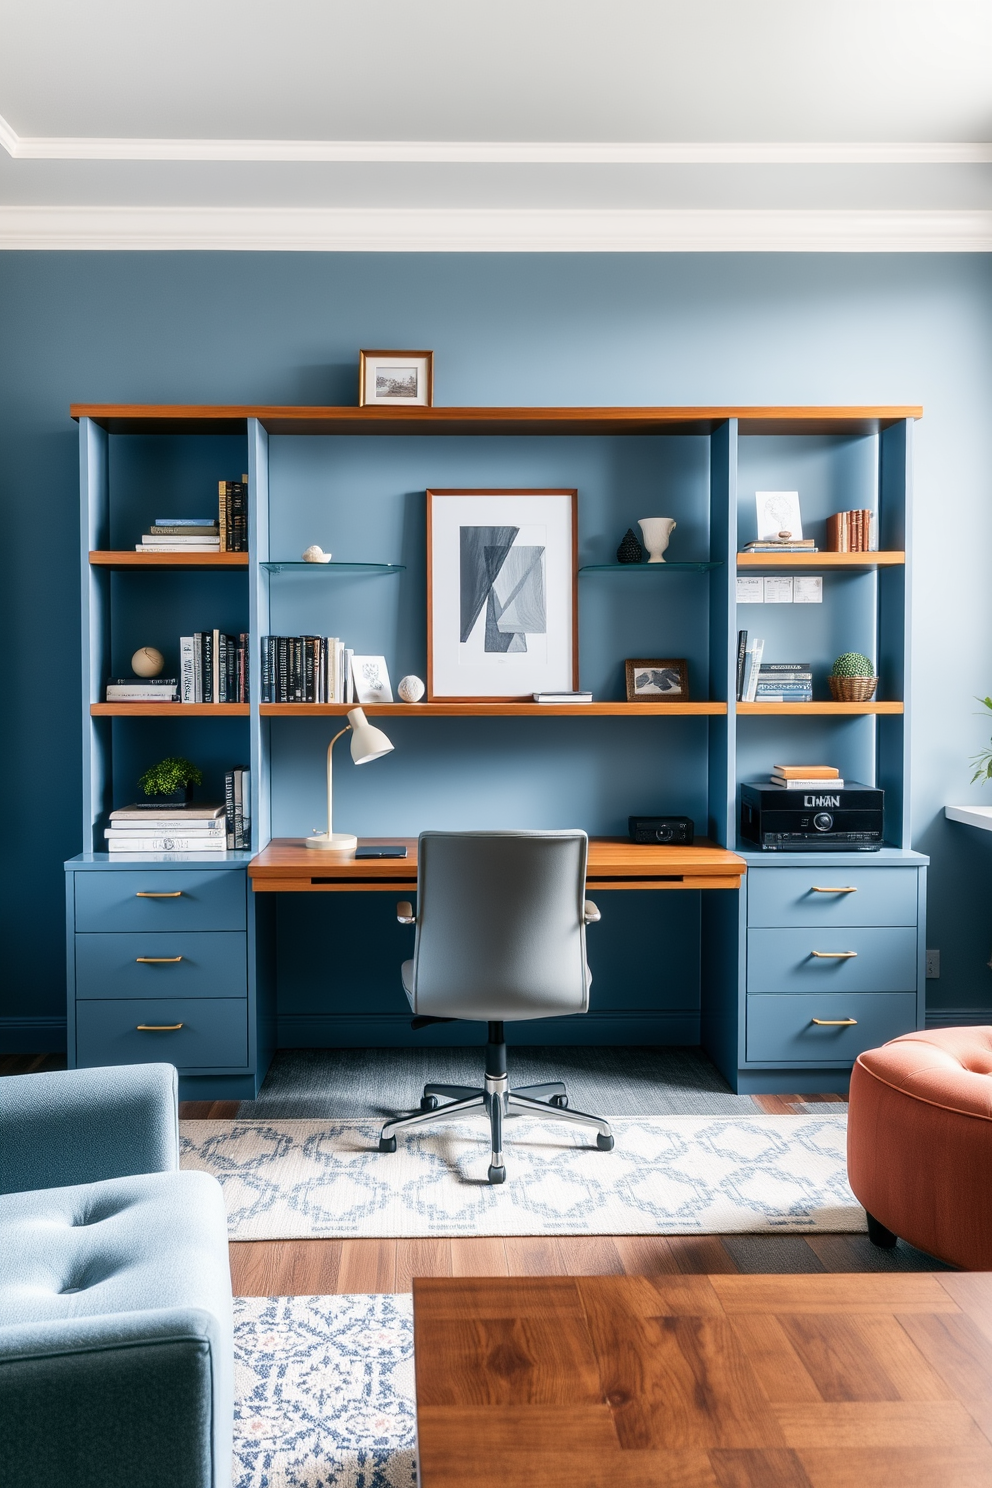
point(646, 567)
point(278, 566)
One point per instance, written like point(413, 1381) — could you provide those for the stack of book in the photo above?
point(784, 682)
point(306, 669)
point(237, 800)
point(782, 545)
point(181, 535)
point(806, 777)
point(852, 532)
point(232, 515)
point(142, 690)
point(151, 828)
point(213, 667)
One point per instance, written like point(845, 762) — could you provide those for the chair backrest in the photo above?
point(500, 927)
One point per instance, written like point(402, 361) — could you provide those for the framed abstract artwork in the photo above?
point(502, 612)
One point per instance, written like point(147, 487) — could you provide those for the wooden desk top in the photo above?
point(286, 865)
point(808, 1381)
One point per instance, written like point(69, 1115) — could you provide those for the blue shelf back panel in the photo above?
point(168, 476)
point(831, 472)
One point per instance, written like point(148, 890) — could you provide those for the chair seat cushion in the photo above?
point(158, 1240)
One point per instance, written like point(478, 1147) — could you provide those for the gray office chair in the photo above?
point(501, 931)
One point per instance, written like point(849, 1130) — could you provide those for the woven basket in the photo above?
point(852, 689)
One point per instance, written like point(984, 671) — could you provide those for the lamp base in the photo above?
point(339, 842)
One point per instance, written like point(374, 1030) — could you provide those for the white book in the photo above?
point(563, 697)
point(174, 547)
point(141, 695)
point(333, 658)
point(166, 842)
point(156, 813)
point(187, 674)
point(154, 828)
point(752, 664)
point(175, 540)
point(807, 785)
point(215, 679)
point(347, 680)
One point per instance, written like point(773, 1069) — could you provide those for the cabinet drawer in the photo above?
point(212, 1032)
point(782, 1028)
point(885, 960)
point(792, 896)
point(181, 900)
point(144, 964)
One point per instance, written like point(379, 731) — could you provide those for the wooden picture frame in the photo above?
point(654, 681)
point(412, 386)
point(502, 593)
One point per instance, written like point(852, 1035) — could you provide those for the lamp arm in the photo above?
point(329, 794)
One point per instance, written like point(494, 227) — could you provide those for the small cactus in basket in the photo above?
point(852, 678)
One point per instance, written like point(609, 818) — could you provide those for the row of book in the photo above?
point(852, 532)
point(213, 668)
point(225, 533)
point(770, 681)
point(306, 669)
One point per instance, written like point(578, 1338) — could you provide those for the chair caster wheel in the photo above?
point(605, 1144)
point(497, 1175)
point(561, 1101)
point(387, 1144)
point(428, 1102)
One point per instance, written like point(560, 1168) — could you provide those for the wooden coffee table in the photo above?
point(812, 1381)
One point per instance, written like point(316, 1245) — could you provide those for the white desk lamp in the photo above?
point(367, 743)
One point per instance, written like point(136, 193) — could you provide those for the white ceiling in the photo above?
point(526, 106)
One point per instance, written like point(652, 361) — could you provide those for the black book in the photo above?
point(741, 658)
point(267, 664)
point(309, 649)
point(229, 805)
point(296, 670)
point(207, 643)
point(282, 669)
point(142, 681)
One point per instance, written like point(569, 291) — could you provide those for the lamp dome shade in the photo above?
point(367, 742)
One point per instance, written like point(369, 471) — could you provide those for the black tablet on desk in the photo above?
point(386, 850)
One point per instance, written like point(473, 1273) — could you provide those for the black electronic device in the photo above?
point(666, 829)
point(388, 850)
point(845, 820)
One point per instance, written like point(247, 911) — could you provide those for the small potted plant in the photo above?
point(852, 678)
point(173, 778)
point(982, 761)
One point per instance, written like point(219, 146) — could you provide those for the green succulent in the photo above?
point(982, 761)
point(853, 664)
point(169, 776)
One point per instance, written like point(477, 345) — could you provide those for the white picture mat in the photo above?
point(467, 670)
point(778, 511)
point(373, 364)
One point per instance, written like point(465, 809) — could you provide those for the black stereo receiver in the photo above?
point(844, 820)
point(645, 829)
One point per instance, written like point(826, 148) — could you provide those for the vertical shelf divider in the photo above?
point(94, 480)
point(722, 789)
point(258, 625)
point(894, 634)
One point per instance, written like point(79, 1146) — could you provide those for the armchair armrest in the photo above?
point(590, 913)
point(81, 1126)
point(404, 913)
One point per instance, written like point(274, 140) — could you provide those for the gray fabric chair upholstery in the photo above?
point(116, 1326)
point(500, 935)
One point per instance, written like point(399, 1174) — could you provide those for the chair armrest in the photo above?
point(404, 913)
point(81, 1126)
point(590, 913)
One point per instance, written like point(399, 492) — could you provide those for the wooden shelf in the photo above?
point(820, 560)
point(492, 710)
point(106, 558)
point(829, 709)
point(169, 710)
point(124, 418)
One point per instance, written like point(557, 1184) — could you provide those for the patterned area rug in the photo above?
point(324, 1394)
point(668, 1175)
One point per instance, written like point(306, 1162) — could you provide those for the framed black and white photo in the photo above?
point(396, 379)
point(502, 612)
point(650, 681)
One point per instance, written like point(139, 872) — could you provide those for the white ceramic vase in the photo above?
point(656, 533)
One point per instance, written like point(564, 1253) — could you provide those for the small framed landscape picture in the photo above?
point(396, 379)
point(657, 681)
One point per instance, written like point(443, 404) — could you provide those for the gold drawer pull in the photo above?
point(152, 894)
point(168, 960)
point(157, 1027)
point(845, 889)
point(834, 1022)
point(834, 955)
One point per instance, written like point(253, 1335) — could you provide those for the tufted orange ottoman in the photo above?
point(919, 1143)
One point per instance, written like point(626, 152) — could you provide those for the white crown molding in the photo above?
point(468, 152)
point(399, 230)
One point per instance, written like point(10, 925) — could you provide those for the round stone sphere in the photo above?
point(411, 689)
point(147, 662)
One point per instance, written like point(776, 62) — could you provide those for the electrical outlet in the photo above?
point(933, 965)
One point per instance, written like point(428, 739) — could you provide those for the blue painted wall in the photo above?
point(669, 329)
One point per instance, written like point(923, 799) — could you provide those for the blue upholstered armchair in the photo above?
point(116, 1355)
